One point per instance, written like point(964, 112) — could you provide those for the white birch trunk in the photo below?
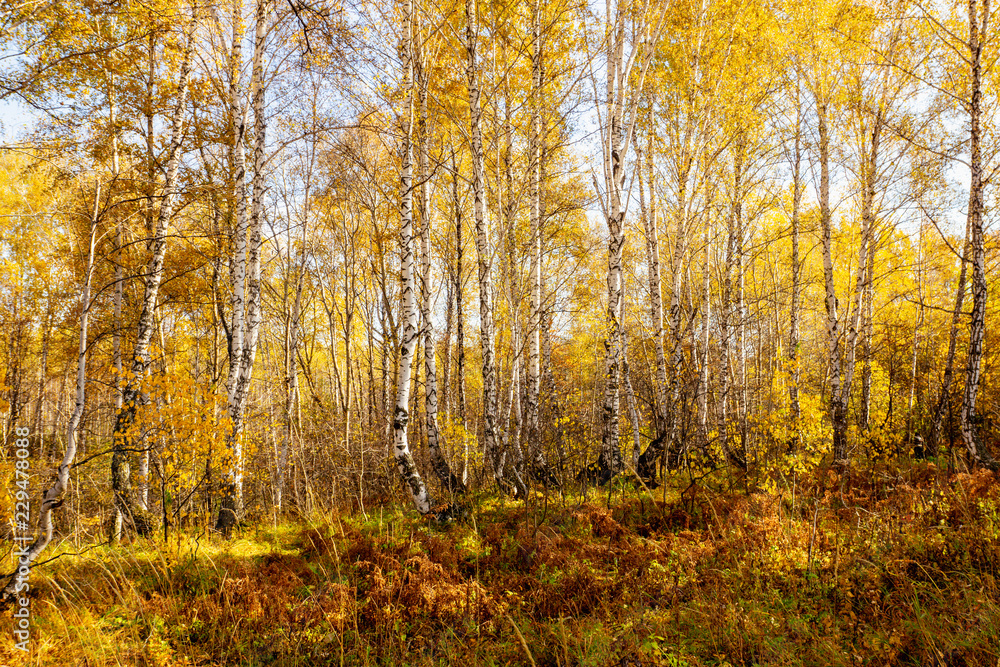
point(630, 403)
point(674, 322)
point(52, 500)
point(794, 356)
point(741, 311)
point(651, 232)
point(977, 328)
point(123, 438)
point(460, 322)
point(435, 439)
point(401, 415)
point(247, 335)
point(706, 317)
point(539, 467)
point(832, 319)
point(867, 326)
point(230, 506)
point(842, 396)
point(730, 329)
point(937, 423)
point(491, 448)
point(854, 320)
point(623, 95)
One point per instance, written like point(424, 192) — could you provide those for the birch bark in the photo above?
point(539, 466)
point(651, 232)
point(460, 321)
point(832, 320)
point(937, 423)
point(401, 416)
point(491, 448)
point(435, 439)
point(246, 318)
point(124, 437)
point(53, 498)
point(706, 317)
point(869, 173)
point(794, 356)
point(977, 327)
point(623, 96)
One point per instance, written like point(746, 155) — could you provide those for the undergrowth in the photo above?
point(835, 570)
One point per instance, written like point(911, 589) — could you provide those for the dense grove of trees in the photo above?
point(269, 257)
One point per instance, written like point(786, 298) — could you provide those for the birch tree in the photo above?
point(623, 96)
point(401, 415)
point(53, 497)
point(539, 466)
point(435, 439)
point(124, 439)
point(792, 145)
point(944, 398)
point(246, 304)
point(491, 442)
point(979, 17)
point(648, 212)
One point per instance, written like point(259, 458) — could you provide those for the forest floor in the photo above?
point(863, 569)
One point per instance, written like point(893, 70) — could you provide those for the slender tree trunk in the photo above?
point(231, 510)
point(547, 404)
point(350, 296)
point(610, 460)
point(52, 500)
point(150, 218)
point(633, 409)
point(977, 33)
point(794, 351)
point(623, 96)
point(933, 438)
point(838, 420)
point(706, 317)
point(253, 306)
point(291, 375)
point(124, 439)
point(150, 135)
point(116, 337)
point(229, 507)
point(869, 173)
point(508, 206)
point(449, 319)
point(727, 329)
point(665, 442)
point(539, 466)
point(655, 282)
point(646, 464)
point(401, 417)
point(460, 322)
point(38, 421)
point(435, 439)
point(741, 309)
point(491, 445)
point(918, 321)
point(868, 304)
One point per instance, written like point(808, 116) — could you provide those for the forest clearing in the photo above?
point(538, 332)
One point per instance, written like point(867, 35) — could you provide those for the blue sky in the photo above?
point(15, 120)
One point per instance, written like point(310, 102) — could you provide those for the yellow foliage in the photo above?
point(189, 422)
point(778, 429)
